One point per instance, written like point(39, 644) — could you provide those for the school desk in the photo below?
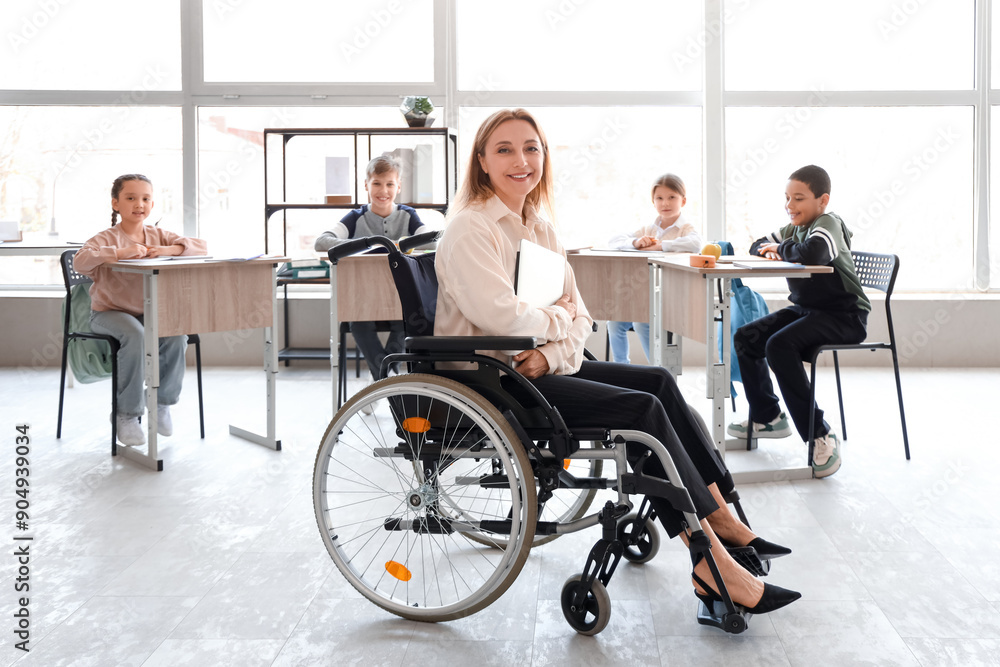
point(186, 296)
point(616, 285)
point(692, 302)
point(361, 290)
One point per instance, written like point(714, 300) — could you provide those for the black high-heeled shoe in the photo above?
point(775, 597)
point(766, 550)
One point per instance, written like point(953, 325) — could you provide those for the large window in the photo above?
point(291, 41)
point(586, 46)
point(94, 45)
point(58, 167)
point(849, 45)
point(731, 95)
point(901, 179)
point(604, 161)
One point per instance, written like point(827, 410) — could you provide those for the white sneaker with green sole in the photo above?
point(776, 428)
point(826, 455)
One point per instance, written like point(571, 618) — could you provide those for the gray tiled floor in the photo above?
point(217, 560)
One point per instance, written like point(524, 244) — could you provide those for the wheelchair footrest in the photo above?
point(750, 560)
point(716, 616)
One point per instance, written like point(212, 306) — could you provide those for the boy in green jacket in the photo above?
point(826, 308)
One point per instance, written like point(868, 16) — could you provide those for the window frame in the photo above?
point(713, 99)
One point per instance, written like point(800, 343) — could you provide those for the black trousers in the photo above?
point(366, 336)
point(642, 398)
point(783, 340)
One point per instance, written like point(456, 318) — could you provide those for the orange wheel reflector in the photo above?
point(566, 464)
point(416, 425)
point(398, 570)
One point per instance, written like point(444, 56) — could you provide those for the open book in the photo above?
point(161, 260)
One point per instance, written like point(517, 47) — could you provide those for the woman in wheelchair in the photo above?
point(508, 182)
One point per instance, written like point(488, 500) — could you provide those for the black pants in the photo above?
point(366, 336)
point(783, 340)
point(642, 398)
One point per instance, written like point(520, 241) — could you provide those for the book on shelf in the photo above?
point(338, 180)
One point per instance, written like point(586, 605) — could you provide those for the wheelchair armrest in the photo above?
point(468, 343)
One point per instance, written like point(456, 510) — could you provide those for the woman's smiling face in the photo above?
point(513, 160)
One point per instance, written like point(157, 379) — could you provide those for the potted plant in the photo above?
point(416, 110)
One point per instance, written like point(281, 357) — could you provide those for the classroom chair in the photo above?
point(71, 279)
point(878, 272)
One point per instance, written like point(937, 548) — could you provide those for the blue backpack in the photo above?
point(745, 307)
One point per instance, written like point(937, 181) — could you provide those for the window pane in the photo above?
point(231, 175)
point(302, 41)
point(60, 162)
point(529, 45)
point(849, 45)
point(59, 45)
point(902, 181)
point(605, 160)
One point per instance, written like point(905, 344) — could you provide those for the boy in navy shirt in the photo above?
point(382, 217)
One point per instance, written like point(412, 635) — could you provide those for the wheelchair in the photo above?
point(430, 505)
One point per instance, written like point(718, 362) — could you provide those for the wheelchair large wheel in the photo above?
point(399, 495)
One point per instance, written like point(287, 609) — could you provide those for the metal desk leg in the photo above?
point(334, 341)
point(664, 347)
point(721, 393)
point(717, 381)
point(270, 372)
point(151, 373)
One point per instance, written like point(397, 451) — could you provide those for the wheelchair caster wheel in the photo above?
point(641, 547)
point(735, 623)
point(592, 613)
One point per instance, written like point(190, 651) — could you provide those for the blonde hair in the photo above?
point(384, 164)
point(477, 187)
point(669, 181)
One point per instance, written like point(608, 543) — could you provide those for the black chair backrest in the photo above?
point(417, 285)
point(876, 271)
point(70, 276)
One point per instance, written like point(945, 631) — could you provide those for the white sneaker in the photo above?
point(130, 431)
point(826, 455)
point(164, 425)
point(776, 428)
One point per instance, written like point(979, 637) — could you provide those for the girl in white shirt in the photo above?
point(669, 232)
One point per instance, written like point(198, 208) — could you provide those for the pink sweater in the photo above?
point(114, 290)
point(475, 268)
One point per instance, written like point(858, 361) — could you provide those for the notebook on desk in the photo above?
point(539, 275)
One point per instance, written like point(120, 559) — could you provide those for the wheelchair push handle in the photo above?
point(417, 240)
point(355, 246)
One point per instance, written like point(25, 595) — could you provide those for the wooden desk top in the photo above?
point(614, 284)
point(685, 301)
point(758, 268)
point(211, 295)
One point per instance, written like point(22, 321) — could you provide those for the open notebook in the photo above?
point(540, 275)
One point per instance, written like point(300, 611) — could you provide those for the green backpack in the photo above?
point(89, 358)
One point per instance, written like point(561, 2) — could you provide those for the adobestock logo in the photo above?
point(32, 25)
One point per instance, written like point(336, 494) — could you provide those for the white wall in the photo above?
point(933, 331)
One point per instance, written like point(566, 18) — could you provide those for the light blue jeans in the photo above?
point(129, 332)
point(618, 338)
